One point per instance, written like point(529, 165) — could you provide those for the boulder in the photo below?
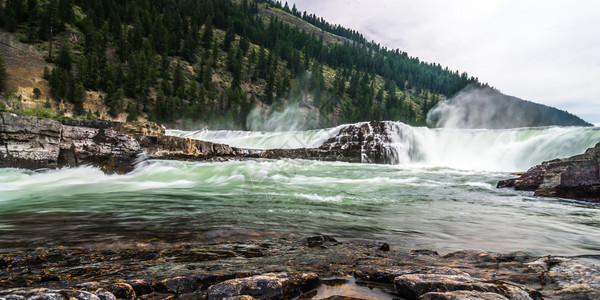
point(416, 286)
point(265, 286)
point(576, 177)
point(462, 295)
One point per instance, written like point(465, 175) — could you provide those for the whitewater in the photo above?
point(438, 193)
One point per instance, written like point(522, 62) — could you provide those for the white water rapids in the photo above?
point(439, 195)
point(465, 149)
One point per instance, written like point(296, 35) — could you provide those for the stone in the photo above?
point(177, 285)
point(414, 286)
point(576, 177)
point(82, 295)
point(28, 142)
point(122, 290)
point(462, 295)
point(103, 294)
point(140, 286)
point(112, 151)
point(266, 286)
point(320, 241)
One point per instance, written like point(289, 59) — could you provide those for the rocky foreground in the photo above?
point(239, 264)
point(576, 177)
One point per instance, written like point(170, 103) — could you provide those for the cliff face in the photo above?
point(35, 143)
point(29, 142)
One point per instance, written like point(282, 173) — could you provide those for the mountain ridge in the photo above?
point(196, 63)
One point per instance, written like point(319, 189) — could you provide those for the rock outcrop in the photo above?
point(576, 177)
point(29, 142)
point(369, 142)
point(35, 143)
point(366, 142)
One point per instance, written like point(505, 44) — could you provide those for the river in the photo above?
point(438, 193)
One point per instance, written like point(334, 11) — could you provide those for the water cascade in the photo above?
point(467, 149)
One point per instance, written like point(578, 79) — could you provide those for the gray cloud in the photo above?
point(543, 51)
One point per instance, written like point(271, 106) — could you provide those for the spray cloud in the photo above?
point(478, 107)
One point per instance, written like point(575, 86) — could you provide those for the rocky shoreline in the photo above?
point(244, 264)
point(576, 177)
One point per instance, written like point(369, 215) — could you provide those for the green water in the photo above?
point(414, 205)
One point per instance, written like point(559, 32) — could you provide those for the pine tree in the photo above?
point(207, 36)
point(229, 37)
point(65, 58)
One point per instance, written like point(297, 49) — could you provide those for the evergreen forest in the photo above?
point(213, 62)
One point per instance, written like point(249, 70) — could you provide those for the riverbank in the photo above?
point(276, 265)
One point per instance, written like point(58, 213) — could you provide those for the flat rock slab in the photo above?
point(284, 266)
point(269, 286)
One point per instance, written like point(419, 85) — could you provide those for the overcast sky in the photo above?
point(543, 51)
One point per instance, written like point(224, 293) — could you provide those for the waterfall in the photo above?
point(472, 149)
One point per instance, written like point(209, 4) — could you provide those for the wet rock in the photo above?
point(373, 142)
point(576, 177)
point(36, 294)
point(12, 297)
point(177, 285)
point(140, 286)
point(384, 246)
point(462, 295)
point(82, 295)
point(413, 286)
point(103, 294)
point(323, 241)
point(28, 142)
point(122, 290)
point(266, 286)
point(574, 277)
point(219, 266)
point(368, 142)
point(530, 182)
point(111, 150)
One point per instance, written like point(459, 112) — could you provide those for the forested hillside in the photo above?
point(211, 62)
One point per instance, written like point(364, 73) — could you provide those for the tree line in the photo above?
point(213, 61)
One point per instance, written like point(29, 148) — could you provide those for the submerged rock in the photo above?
point(576, 177)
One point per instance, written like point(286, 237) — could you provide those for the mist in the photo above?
point(292, 118)
point(485, 108)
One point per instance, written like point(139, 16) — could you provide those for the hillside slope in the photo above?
point(196, 63)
